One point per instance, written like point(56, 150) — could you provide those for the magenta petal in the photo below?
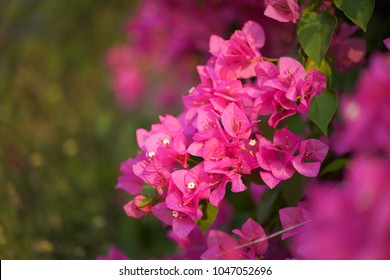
point(237, 184)
point(254, 34)
point(178, 178)
point(211, 253)
point(182, 226)
point(218, 194)
point(269, 179)
point(253, 231)
point(292, 216)
point(196, 149)
point(215, 44)
point(308, 169)
point(142, 135)
point(235, 121)
point(161, 212)
point(132, 210)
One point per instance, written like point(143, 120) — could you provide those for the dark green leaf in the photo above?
point(210, 213)
point(334, 166)
point(359, 11)
point(315, 33)
point(266, 204)
point(322, 109)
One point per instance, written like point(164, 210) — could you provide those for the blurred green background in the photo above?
point(62, 137)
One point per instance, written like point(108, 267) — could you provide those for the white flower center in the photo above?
point(191, 185)
point(175, 214)
point(252, 142)
point(151, 154)
point(166, 142)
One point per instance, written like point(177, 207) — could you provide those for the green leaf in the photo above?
point(146, 200)
point(266, 204)
point(210, 213)
point(322, 109)
point(315, 32)
point(148, 190)
point(149, 193)
point(335, 166)
point(359, 11)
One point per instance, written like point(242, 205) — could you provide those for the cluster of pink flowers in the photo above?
point(191, 159)
point(234, 134)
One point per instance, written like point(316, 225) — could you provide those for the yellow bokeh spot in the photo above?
point(70, 147)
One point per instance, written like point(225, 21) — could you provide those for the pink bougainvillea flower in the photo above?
point(314, 84)
point(182, 224)
point(282, 10)
point(193, 183)
point(277, 161)
point(135, 210)
point(311, 154)
point(285, 90)
point(252, 231)
point(292, 216)
point(235, 122)
point(222, 246)
point(128, 181)
point(240, 53)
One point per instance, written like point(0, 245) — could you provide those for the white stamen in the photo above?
point(252, 142)
point(175, 214)
point(151, 154)
point(191, 89)
point(191, 185)
point(166, 142)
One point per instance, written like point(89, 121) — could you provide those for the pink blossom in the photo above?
point(292, 216)
point(239, 54)
point(222, 246)
point(128, 181)
point(182, 223)
point(282, 10)
point(135, 210)
point(285, 90)
point(276, 161)
point(310, 156)
point(250, 232)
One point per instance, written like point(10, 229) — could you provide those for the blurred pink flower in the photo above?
point(282, 10)
point(348, 52)
point(366, 113)
point(350, 221)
